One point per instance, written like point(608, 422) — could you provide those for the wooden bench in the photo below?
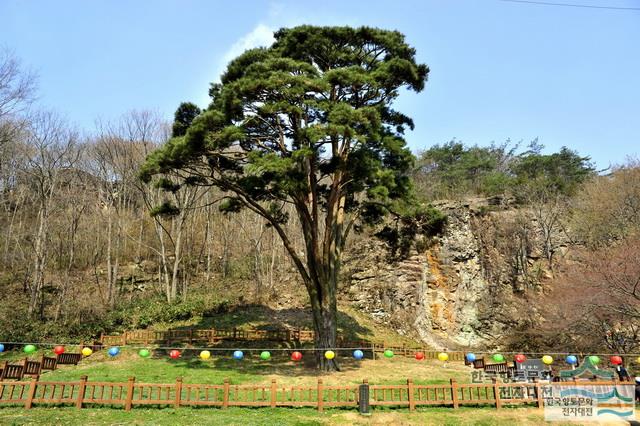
point(32, 368)
point(478, 363)
point(11, 371)
point(69, 359)
point(48, 363)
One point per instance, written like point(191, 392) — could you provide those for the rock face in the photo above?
point(466, 289)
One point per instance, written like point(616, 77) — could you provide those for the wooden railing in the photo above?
point(131, 393)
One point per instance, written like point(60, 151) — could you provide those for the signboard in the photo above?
point(530, 369)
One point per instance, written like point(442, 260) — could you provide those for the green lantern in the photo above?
point(594, 360)
point(29, 349)
point(498, 358)
point(144, 353)
point(388, 353)
point(265, 355)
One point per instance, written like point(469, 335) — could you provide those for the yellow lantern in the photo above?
point(86, 351)
point(443, 356)
point(329, 355)
point(547, 359)
point(205, 355)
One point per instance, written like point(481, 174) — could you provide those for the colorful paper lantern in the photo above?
point(520, 358)
point(58, 350)
point(144, 353)
point(470, 357)
point(29, 349)
point(358, 354)
point(571, 359)
point(265, 355)
point(388, 353)
point(174, 354)
point(547, 359)
point(594, 360)
point(86, 351)
point(616, 360)
point(1, 347)
point(296, 356)
point(114, 351)
point(419, 356)
point(498, 357)
point(238, 355)
point(443, 356)
point(205, 355)
point(638, 360)
point(329, 354)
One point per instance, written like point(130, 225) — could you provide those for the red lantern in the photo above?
point(520, 358)
point(419, 356)
point(616, 360)
point(174, 354)
point(58, 350)
point(296, 356)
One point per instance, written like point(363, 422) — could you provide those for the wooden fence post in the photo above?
point(124, 339)
point(176, 404)
point(373, 351)
point(225, 394)
point(274, 393)
point(129, 400)
point(32, 392)
point(412, 402)
point(320, 396)
point(496, 393)
point(539, 394)
point(81, 390)
point(454, 393)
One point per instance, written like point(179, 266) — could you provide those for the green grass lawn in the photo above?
point(161, 369)
point(267, 416)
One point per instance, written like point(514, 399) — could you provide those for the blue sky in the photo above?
point(569, 76)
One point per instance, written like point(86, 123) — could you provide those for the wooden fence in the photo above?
point(131, 393)
point(293, 336)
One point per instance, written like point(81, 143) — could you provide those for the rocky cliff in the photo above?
point(468, 288)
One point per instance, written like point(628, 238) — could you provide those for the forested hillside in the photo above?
point(549, 257)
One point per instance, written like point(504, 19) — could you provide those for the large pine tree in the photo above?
point(306, 122)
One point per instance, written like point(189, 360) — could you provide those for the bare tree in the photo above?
point(51, 147)
point(17, 92)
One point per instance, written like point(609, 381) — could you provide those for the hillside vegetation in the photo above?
point(87, 247)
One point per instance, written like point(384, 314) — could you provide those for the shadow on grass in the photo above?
point(279, 363)
point(263, 317)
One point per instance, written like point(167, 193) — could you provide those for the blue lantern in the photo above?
point(358, 354)
point(571, 359)
point(1, 347)
point(238, 355)
point(114, 351)
point(471, 357)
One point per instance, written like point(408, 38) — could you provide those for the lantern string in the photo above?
point(362, 348)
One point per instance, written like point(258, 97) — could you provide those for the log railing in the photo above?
point(131, 394)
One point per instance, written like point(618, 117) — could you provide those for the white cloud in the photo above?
point(261, 35)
